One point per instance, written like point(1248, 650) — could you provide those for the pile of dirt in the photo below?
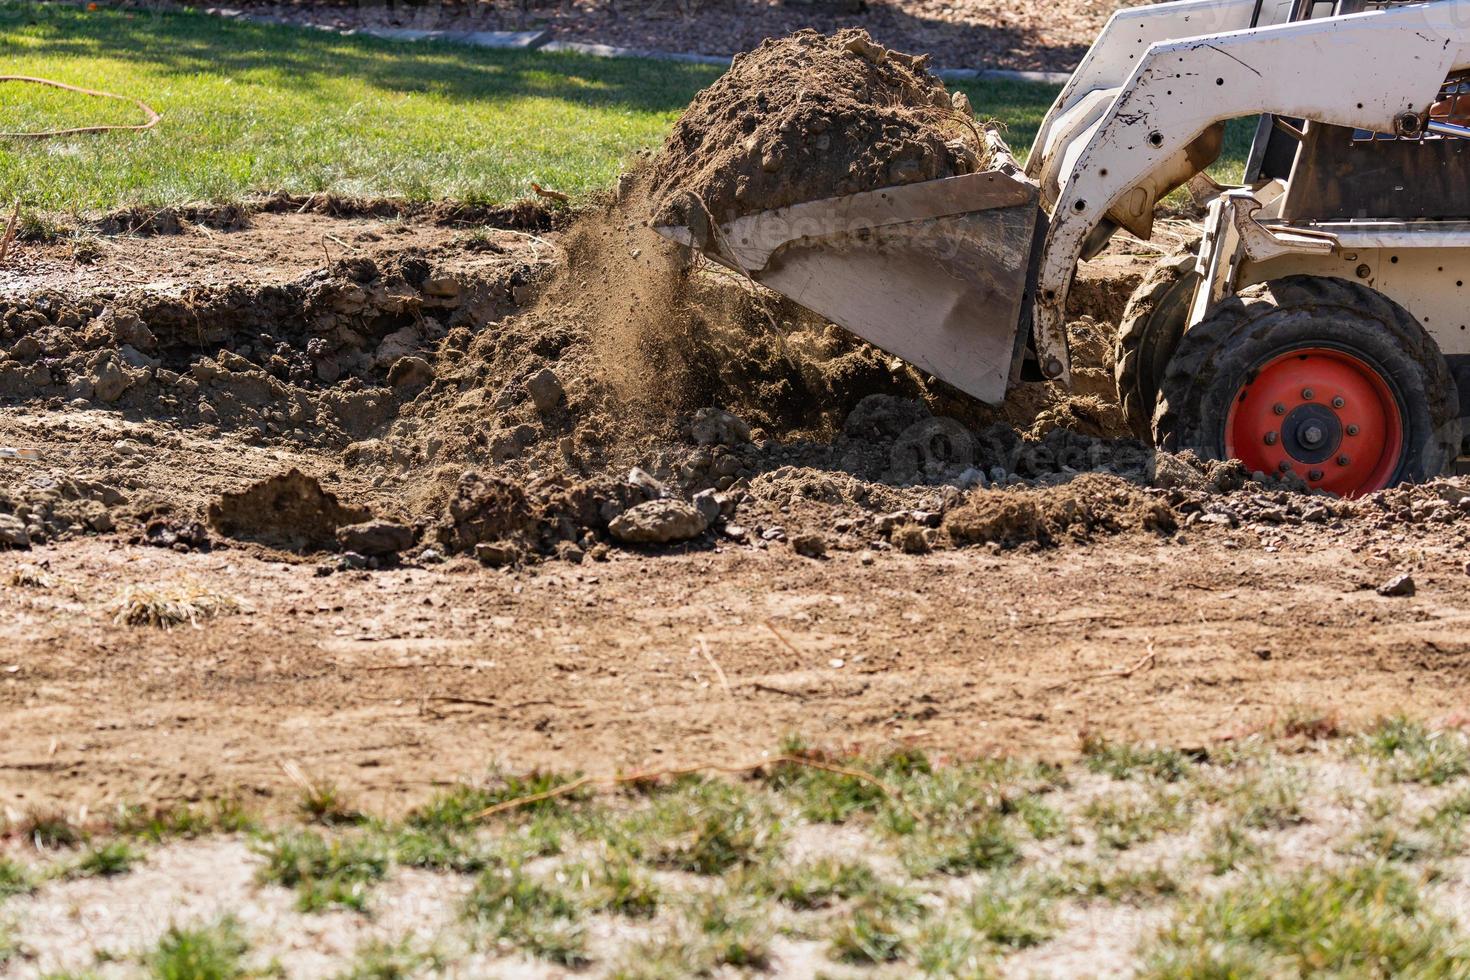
point(525, 403)
point(811, 116)
point(1091, 504)
point(289, 511)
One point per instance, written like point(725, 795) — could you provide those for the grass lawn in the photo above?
point(1274, 856)
point(253, 108)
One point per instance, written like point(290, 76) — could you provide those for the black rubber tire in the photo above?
point(1242, 333)
point(1153, 323)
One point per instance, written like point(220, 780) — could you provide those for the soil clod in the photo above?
point(659, 522)
point(289, 511)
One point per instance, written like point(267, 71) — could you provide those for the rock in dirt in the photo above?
point(717, 427)
point(545, 389)
point(496, 554)
point(1399, 585)
point(1168, 471)
point(809, 545)
point(375, 538)
point(806, 117)
point(710, 504)
point(108, 381)
point(912, 539)
point(179, 535)
point(289, 511)
point(13, 533)
point(658, 522)
point(410, 374)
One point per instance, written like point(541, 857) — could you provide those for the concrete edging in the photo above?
point(541, 41)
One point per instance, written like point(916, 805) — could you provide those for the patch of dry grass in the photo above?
point(167, 606)
point(31, 577)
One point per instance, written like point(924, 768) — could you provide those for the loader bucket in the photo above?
point(934, 272)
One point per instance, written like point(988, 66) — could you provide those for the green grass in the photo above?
point(323, 803)
point(253, 107)
point(47, 831)
point(705, 827)
point(1010, 915)
point(1367, 921)
point(875, 929)
point(716, 932)
point(1092, 880)
point(377, 959)
point(514, 908)
point(457, 808)
point(1125, 820)
point(116, 857)
point(212, 952)
point(1231, 847)
point(1409, 752)
point(439, 851)
point(617, 886)
point(15, 879)
point(822, 883)
point(325, 872)
point(163, 822)
point(1121, 760)
point(983, 844)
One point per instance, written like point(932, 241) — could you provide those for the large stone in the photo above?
point(108, 382)
point(135, 358)
point(410, 374)
point(399, 343)
point(809, 545)
point(545, 390)
point(1400, 585)
point(13, 532)
point(717, 427)
point(658, 522)
point(496, 554)
point(1168, 471)
point(375, 538)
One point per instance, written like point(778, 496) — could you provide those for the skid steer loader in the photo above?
point(1318, 327)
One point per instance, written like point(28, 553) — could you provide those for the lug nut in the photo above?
point(1352, 430)
point(1343, 460)
point(1338, 402)
point(1285, 465)
point(1279, 408)
point(1307, 394)
point(1271, 438)
point(1314, 475)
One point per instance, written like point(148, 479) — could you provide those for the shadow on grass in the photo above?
point(188, 44)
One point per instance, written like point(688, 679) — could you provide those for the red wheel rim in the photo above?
point(1323, 414)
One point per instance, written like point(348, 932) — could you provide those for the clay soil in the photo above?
point(1239, 609)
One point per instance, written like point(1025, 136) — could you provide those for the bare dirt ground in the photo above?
point(392, 682)
point(387, 357)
